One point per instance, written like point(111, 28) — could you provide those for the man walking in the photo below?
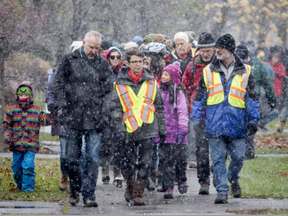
point(226, 91)
point(82, 82)
point(190, 80)
point(138, 116)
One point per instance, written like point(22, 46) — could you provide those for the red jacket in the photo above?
point(280, 75)
point(190, 81)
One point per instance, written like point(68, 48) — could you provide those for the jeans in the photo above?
point(169, 157)
point(63, 164)
point(129, 157)
point(218, 147)
point(87, 181)
point(284, 114)
point(250, 143)
point(23, 170)
point(270, 115)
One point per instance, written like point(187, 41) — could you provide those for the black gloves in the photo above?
point(51, 108)
point(251, 129)
point(162, 139)
point(199, 128)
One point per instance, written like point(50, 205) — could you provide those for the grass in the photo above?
point(271, 151)
point(273, 125)
point(46, 182)
point(47, 137)
point(265, 178)
point(266, 211)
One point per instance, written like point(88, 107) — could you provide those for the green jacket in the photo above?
point(262, 79)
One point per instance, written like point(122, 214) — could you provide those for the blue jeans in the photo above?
point(23, 169)
point(87, 181)
point(63, 164)
point(270, 115)
point(218, 147)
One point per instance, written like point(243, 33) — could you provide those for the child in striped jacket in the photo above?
point(21, 132)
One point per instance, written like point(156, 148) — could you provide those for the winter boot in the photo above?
point(74, 198)
point(63, 182)
point(204, 190)
point(118, 182)
point(236, 190)
point(168, 194)
point(182, 187)
point(139, 188)
point(281, 127)
point(221, 199)
point(105, 176)
point(129, 189)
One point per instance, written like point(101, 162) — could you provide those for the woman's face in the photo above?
point(114, 58)
point(165, 77)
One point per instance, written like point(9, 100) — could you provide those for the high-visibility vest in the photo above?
point(137, 109)
point(215, 90)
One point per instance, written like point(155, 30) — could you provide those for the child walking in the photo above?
point(21, 132)
point(172, 153)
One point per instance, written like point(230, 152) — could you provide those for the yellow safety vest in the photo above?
point(140, 108)
point(215, 90)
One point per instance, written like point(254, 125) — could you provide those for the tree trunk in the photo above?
point(2, 107)
point(218, 27)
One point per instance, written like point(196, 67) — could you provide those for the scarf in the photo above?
point(183, 57)
point(135, 79)
point(117, 67)
point(85, 58)
point(24, 103)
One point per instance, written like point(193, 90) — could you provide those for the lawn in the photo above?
point(265, 177)
point(46, 182)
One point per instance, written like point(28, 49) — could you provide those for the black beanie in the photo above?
point(105, 45)
point(226, 41)
point(205, 40)
point(242, 51)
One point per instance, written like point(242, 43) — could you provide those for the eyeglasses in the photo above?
point(218, 48)
point(113, 57)
point(137, 62)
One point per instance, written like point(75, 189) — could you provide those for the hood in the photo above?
point(25, 83)
point(123, 77)
point(113, 49)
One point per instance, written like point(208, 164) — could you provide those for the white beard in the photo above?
point(224, 55)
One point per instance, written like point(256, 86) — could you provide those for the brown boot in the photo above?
point(129, 189)
point(281, 127)
point(63, 182)
point(139, 188)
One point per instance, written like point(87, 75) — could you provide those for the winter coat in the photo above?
point(183, 63)
point(280, 75)
point(57, 129)
point(22, 123)
point(79, 89)
point(146, 131)
point(262, 79)
point(191, 79)
point(176, 118)
point(223, 119)
point(269, 71)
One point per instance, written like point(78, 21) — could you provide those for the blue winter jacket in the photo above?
point(223, 119)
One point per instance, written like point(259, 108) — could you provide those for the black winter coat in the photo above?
point(153, 130)
point(79, 90)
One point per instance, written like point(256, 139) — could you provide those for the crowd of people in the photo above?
point(152, 108)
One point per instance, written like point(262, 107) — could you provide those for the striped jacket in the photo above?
point(22, 123)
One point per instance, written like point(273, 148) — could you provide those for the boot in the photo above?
point(129, 189)
point(139, 188)
point(281, 127)
point(63, 182)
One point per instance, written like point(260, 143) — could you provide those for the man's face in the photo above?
point(135, 64)
point(102, 52)
point(91, 47)
point(246, 60)
point(181, 46)
point(206, 53)
point(222, 53)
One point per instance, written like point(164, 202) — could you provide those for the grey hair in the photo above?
point(96, 34)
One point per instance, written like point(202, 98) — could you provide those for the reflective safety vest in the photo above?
point(215, 90)
point(140, 108)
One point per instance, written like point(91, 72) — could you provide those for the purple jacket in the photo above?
point(57, 130)
point(176, 119)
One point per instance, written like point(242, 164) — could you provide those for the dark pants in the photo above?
point(169, 156)
point(87, 183)
point(141, 149)
point(202, 155)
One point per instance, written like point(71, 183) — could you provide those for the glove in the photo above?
point(52, 109)
point(251, 129)
point(162, 139)
point(8, 141)
point(272, 105)
point(179, 140)
point(199, 128)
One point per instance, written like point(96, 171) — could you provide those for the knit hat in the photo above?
point(76, 45)
point(130, 45)
point(174, 72)
point(149, 38)
point(206, 40)
point(105, 45)
point(137, 39)
point(24, 90)
point(226, 41)
point(242, 51)
point(181, 35)
point(111, 49)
